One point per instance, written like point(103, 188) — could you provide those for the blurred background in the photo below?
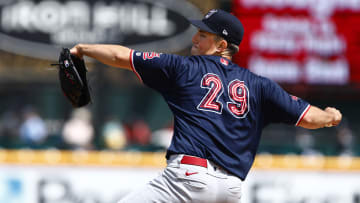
point(50, 152)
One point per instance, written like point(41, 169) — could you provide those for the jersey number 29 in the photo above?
point(238, 96)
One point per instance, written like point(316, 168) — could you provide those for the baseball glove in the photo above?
point(72, 76)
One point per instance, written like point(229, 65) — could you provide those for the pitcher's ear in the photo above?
point(222, 45)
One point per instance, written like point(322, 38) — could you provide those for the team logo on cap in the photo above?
point(210, 13)
point(225, 32)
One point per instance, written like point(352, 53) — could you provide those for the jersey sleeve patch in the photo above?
point(156, 70)
point(150, 55)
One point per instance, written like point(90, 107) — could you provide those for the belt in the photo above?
point(192, 160)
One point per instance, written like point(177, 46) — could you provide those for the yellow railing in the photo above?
point(82, 158)
point(293, 162)
point(157, 160)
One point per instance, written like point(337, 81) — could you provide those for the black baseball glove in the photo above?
point(72, 76)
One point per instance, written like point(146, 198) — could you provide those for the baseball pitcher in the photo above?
point(219, 111)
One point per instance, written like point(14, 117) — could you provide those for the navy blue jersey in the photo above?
point(219, 108)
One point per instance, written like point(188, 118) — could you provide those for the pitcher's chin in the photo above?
point(194, 51)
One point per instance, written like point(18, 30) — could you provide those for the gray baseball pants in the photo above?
point(181, 182)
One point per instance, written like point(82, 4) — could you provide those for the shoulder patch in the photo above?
point(224, 61)
point(295, 98)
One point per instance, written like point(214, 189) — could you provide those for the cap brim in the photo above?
point(202, 26)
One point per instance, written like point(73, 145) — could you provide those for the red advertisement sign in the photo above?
point(315, 42)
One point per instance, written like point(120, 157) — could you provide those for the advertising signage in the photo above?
point(301, 42)
point(34, 28)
